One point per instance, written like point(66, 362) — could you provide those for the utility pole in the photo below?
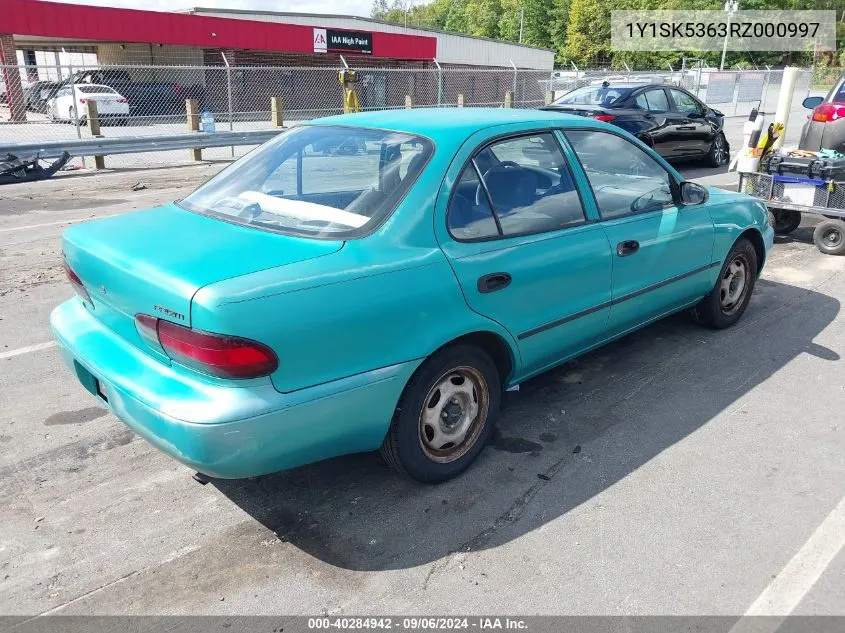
point(731, 7)
point(522, 22)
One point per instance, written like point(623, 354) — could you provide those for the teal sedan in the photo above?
point(377, 280)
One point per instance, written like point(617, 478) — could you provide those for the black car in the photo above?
point(37, 95)
point(668, 118)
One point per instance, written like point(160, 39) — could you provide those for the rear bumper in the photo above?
point(215, 427)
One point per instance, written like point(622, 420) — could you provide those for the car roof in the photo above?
point(434, 122)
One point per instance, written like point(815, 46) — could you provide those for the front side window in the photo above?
point(319, 181)
point(526, 187)
point(624, 179)
point(685, 103)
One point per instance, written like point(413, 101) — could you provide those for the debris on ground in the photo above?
point(138, 186)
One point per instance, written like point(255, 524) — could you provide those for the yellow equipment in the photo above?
point(348, 79)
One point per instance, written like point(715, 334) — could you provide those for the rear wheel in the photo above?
point(784, 221)
point(829, 237)
point(726, 302)
point(718, 154)
point(445, 415)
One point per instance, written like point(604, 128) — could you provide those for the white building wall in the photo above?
point(452, 48)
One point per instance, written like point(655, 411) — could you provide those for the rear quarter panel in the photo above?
point(358, 310)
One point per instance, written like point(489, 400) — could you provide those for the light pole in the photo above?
point(731, 7)
point(522, 21)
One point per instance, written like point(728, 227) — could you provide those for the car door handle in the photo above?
point(628, 247)
point(493, 282)
point(686, 127)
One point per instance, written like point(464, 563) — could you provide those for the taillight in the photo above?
point(177, 88)
point(122, 100)
point(83, 101)
point(215, 354)
point(602, 117)
point(828, 112)
point(76, 282)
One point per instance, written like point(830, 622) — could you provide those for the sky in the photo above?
point(344, 7)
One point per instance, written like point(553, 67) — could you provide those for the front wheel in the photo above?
point(718, 154)
point(445, 415)
point(829, 237)
point(726, 302)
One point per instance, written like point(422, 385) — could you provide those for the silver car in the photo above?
point(825, 128)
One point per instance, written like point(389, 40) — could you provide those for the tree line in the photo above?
point(579, 30)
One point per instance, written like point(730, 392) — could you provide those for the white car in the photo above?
point(111, 105)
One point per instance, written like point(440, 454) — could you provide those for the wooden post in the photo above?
point(550, 96)
point(277, 111)
point(460, 100)
point(409, 103)
point(94, 126)
point(509, 99)
point(192, 111)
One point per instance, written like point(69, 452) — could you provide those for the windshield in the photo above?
point(593, 95)
point(318, 180)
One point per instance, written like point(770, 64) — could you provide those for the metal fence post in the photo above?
point(461, 100)
point(409, 102)
point(229, 93)
point(513, 94)
point(508, 99)
point(439, 83)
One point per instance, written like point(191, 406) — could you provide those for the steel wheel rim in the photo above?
point(453, 414)
point(734, 284)
point(832, 237)
point(719, 152)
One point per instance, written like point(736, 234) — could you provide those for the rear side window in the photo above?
point(525, 187)
point(624, 179)
point(656, 101)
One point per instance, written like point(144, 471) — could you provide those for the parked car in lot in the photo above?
point(111, 105)
point(37, 95)
point(667, 118)
point(825, 127)
point(303, 304)
point(147, 99)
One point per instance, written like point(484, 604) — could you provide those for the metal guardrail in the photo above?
point(137, 144)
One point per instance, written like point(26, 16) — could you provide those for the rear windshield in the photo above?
point(593, 95)
point(318, 181)
point(94, 90)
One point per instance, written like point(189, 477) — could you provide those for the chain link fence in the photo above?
point(734, 92)
point(151, 100)
point(50, 102)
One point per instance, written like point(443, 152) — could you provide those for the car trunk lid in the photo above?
point(154, 261)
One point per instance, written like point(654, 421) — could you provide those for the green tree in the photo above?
point(588, 32)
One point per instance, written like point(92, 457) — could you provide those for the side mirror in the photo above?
point(692, 193)
point(812, 102)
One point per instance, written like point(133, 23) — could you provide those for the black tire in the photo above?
point(721, 308)
point(408, 448)
point(719, 153)
point(829, 237)
point(784, 221)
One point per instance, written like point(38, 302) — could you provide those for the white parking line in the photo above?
point(27, 349)
point(790, 586)
point(37, 226)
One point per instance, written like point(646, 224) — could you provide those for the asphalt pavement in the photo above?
point(676, 471)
